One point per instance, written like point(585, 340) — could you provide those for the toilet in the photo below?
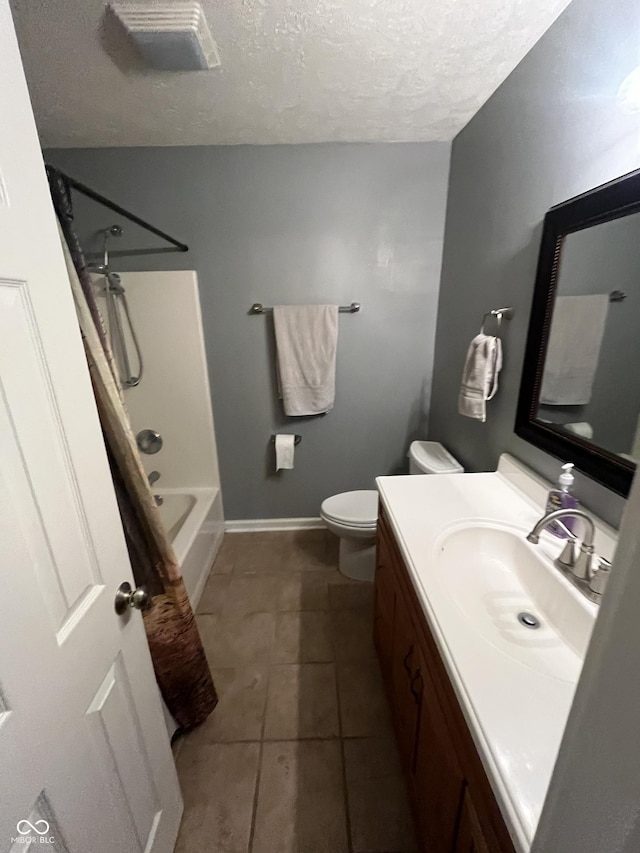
point(353, 516)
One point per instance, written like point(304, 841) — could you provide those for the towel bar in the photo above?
point(258, 308)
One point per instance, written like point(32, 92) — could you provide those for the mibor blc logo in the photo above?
point(33, 833)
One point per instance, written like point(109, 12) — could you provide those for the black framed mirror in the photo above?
point(580, 394)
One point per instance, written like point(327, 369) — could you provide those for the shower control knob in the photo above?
point(126, 597)
point(149, 441)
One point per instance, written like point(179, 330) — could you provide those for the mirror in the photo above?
point(579, 396)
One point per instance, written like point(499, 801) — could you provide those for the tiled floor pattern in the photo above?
point(299, 755)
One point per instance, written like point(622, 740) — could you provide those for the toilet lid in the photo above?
point(359, 509)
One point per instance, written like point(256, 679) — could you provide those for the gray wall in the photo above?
point(313, 223)
point(551, 131)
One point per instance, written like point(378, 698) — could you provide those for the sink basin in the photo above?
point(493, 575)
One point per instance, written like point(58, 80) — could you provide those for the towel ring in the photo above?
point(498, 313)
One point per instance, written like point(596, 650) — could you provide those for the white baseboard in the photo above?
point(253, 525)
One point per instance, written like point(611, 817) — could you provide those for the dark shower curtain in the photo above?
point(178, 657)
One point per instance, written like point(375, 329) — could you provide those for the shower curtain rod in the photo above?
point(105, 202)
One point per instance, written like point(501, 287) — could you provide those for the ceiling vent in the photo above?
point(170, 36)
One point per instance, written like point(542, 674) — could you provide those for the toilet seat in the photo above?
point(353, 516)
point(357, 509)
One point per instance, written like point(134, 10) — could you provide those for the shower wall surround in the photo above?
point(173, 395)
point(550, 132)
point(293, 224)
point(173, 398)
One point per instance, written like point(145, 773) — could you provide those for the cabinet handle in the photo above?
point(405, 662)
point(416, 696)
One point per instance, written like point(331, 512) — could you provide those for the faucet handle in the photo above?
point(586, 561)
point(569, 553)
point(600, 577)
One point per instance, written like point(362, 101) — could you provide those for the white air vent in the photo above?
point(171, 36)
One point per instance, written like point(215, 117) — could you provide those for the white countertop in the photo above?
point(516, 714)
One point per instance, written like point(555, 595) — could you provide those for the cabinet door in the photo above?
point(405, 681)
point(438, 778)
point(470, 838)
point(384, 608)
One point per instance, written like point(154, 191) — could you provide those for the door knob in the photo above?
point(127, 597)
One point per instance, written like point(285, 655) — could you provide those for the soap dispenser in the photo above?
point(562, 498)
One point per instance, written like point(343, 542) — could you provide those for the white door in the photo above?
point(85, 762)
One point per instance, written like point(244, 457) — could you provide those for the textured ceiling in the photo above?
point(292, 71)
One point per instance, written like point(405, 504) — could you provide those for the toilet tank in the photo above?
point(430, 457)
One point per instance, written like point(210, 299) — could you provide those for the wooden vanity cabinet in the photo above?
point(406, 707)
point(438, 780)
point(384, 605)
point(470, 838)
point(453, 804)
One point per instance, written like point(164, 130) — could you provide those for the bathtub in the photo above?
point(194, 523)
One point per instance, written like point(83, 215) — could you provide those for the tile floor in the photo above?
point(299, 755)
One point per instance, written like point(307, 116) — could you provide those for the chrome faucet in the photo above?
point(581, 567)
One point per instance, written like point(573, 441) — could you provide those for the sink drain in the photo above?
point(528, 620)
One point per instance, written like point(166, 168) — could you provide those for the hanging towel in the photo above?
point(306, 340)
point(573, 351)
point(480, 376)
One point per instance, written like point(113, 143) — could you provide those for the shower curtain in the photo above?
point(176, 649)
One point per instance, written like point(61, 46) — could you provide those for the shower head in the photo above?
point(113, 231)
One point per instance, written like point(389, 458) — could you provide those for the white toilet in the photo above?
point(353, 516)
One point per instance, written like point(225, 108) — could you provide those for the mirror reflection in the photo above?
point(589, 387)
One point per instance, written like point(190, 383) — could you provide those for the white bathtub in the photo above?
point(194, 524)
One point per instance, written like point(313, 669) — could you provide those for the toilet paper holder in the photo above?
point(296, 440)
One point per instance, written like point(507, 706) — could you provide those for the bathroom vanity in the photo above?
point(479, 699)
point(454, 807)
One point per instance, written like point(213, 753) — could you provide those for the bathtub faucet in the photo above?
point(153, 477)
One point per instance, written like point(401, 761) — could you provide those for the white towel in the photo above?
point(306, 340)
point(573, 351)
point(480, 376)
